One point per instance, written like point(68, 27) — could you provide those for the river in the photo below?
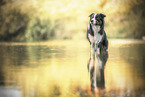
point(58, 68)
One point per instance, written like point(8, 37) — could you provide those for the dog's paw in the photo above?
point(98, 51)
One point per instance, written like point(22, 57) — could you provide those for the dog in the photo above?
point(99, 50)
point(96, 34)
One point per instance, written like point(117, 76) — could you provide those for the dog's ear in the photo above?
point(91, 14)
point(102, 15)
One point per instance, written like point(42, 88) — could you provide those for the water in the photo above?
point(59, 69)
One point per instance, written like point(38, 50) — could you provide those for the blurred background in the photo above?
point(44, 51)
point(38, 20)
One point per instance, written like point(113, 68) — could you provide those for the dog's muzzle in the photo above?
point(96, 22)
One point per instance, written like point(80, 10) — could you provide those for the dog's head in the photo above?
point(97, 18)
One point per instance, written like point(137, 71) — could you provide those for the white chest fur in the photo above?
point(97, 37)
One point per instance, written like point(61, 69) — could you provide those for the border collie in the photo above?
point(96, 34)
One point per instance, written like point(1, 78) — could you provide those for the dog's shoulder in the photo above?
point(90, 30)
point(90, 33)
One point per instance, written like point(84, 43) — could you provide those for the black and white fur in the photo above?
point(99, 46)
point(96, 34)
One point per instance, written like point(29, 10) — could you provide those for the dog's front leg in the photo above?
point(92, 50)
point(97, 48)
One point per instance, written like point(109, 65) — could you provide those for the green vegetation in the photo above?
point(12, 25)
point(37, 20)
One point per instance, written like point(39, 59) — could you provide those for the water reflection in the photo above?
point(96, 70)
point(58, 69)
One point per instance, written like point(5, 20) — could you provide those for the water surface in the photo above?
point(59, 69)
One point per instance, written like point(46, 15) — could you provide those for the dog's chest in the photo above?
point(97, 37)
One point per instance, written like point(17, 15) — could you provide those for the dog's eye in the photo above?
point(92, 16)
point(96, 17)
